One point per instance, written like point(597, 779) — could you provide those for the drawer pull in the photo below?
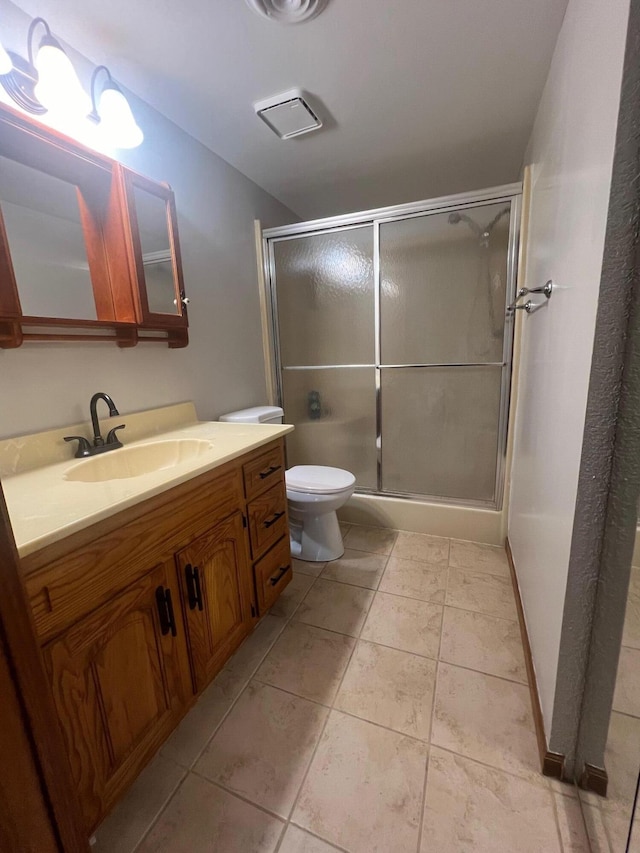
point(271, 521)
point(281, 573)
point(165, 611)
point(269, 471)
point(194, 591)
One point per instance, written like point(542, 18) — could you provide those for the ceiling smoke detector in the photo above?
point(287, 11)
point(288, 114)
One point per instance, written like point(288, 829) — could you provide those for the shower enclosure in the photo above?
point(392, 343)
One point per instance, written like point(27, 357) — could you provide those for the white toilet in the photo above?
point(314, 494)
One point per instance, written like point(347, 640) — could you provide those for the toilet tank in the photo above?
point(256, 415)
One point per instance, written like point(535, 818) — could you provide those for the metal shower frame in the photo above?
point(511, 193)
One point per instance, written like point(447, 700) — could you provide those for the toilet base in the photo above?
point(318, 540)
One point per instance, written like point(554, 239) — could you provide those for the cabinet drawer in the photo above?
point(267, 519)
point(263, 471)
point(273, 572)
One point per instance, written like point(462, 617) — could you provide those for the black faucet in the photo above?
point(85, 448)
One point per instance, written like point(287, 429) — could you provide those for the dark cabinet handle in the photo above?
point(194, 591)
point(281, 573)
point(165, 611)
point(270, 521)
point(269, 471)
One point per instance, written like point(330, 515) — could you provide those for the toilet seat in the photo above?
point(318, 479)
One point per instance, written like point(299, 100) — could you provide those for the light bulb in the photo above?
point(116, 119)
point(58, 88)
point(6, 65)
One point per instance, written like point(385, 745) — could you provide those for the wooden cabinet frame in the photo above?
point(112, 243)
point(130, 181)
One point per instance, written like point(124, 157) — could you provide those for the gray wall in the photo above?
point(571, 156)
point(47, 385)
point(606, 507)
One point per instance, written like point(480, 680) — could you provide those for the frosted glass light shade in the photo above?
point(116, 119)
point(5, 61)
point(58, 88)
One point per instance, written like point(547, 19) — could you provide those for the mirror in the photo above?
point(89, 250)
point(155, 241)
point(42, 221)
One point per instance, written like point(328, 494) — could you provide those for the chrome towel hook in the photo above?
point(529, 306)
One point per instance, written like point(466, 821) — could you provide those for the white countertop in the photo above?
point(44, 507)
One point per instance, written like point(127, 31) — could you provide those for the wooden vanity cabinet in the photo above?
point(120, 681)
point(137, 613)
point(265, 492)
point(217, 596)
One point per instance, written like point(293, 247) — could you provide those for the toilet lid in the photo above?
point(318, 478)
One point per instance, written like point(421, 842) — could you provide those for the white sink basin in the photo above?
point(135, 461)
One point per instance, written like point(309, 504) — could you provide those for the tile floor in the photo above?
point(381, 706)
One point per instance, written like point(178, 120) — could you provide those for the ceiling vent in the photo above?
point(288, 114)
point(287, 11)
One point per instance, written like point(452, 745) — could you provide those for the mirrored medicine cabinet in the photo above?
point(89, 249)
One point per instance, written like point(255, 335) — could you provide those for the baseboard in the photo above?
point(551, 763)
point(594, 779)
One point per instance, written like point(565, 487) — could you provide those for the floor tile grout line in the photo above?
point(535, 778)
point(433, 710)
point(338, 847)
point(164, 805)
point(245, 684)
point(481, 613)
point(423, 800)
point(189, 769)
point(149, 829)
point(319, 741)
point(332, 707)
point(216, 783)
point(326, 722)
point(292, 618)
point(483, 672)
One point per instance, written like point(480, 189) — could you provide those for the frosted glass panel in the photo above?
point(440, 431)
point(325, 298)
point(334, 414)
point(443, 286)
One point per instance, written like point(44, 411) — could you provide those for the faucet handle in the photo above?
point(84, 446)
point(112, 438)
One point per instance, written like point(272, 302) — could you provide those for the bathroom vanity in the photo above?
point(151, 580)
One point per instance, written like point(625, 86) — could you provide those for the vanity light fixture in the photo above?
point(111, 111)
point(58, 87)
point(46, 80)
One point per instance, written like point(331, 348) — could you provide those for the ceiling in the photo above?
point(420, 98)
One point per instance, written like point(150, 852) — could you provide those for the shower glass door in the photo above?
point(325, 315)
point(393, 345)
point(443, 285)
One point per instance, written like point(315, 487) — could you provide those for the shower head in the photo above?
point(454, 218)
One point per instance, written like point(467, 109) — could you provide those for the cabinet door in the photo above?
point(155, 251)
point(216, 581)
point(120, 677)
